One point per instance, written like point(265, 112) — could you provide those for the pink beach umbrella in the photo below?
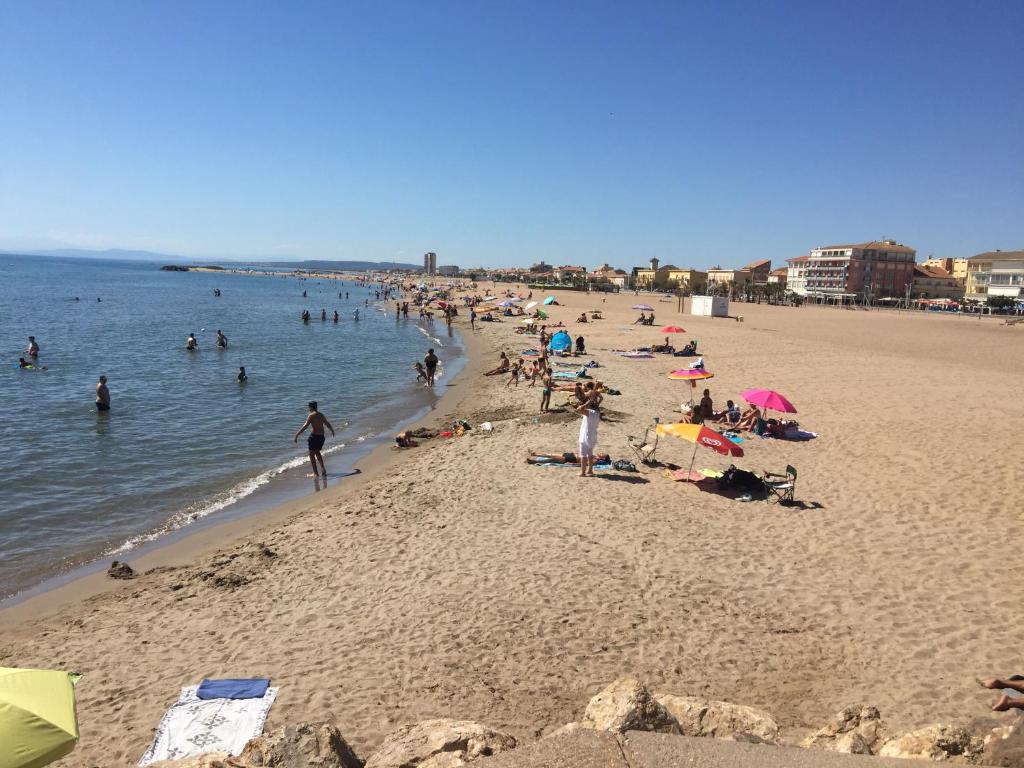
point(769, 398)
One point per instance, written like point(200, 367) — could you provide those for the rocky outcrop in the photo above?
point(1004, 744)
point(627, 705)
point(439, 744)
point(854, 730)
point(719, 719)
point(935, 742)
point(300, 746)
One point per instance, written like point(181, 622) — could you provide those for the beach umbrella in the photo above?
point(698, 434)
point(531, 305)
point(542, 314)
point(691, 374)
point(643, 307)
point(560, 341)
point(673, 329)
point(37, 716)
point(768, 398)
point(549, 300)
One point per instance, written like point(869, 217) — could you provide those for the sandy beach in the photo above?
point(455, 580)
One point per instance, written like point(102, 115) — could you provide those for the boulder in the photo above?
point(1004, 744)
point(935, 742)
point(566, 729)
point(719, 719)
point(439, 744)
point(119, 570)
point(305, 745)
point(854, 730)
point(627, 705)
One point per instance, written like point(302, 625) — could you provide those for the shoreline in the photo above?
point(89, 579)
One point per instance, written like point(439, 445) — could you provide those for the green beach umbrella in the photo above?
point(37, 716)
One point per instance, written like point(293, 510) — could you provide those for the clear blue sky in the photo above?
point(504, 133)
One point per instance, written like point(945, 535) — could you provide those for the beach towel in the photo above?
point(193, 726)
point(597, 467)
point(570, 375)
point(635, 355)
point(251, 688)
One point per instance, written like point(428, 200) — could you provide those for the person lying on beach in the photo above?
point(503, 366)
point(666, 347)
point(749, 418)
point(404, 440)
point(1006, 701)
point(563, 458)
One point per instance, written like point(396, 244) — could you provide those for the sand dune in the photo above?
point(458, 581)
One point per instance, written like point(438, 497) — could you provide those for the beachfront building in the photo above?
point(430, 263)
point(541, 267)
point(688, 279)
point(935, 283)
point(876, 269)
point(956, 267)
point(778, 276)
point(448, 270)
point(796, 275)
point(608, 274)
point(652, 276)
point(722, 279)
point(758, 271)
point(570, 274)
point(995, 273)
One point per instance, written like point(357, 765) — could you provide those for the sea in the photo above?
point(184, 444)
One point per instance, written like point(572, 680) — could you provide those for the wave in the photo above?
point(434, 339)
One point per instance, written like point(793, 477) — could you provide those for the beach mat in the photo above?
point(193, 726)
point(597, 467)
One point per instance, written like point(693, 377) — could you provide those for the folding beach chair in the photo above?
point(780, 488)
point(646, 446)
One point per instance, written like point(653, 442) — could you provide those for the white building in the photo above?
point(448, 270)
point(796, 275)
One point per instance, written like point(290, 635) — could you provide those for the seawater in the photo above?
point(183, 442)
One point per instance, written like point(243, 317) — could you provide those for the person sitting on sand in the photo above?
point(749, 418)
point(666, 347)
point(731, 414)
point(687, 351)
point(581, 346)
point(582, 318)
point(563, 458)
point(650, 320)
point(704, 410)
point(1006, 701)
point(642, 320)
point(404, 440)
point(503, 366)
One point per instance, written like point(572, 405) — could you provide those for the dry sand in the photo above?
point(460, 582)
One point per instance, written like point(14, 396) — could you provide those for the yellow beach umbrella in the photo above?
point(37, 716)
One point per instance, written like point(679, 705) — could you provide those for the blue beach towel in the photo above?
point(251, 688)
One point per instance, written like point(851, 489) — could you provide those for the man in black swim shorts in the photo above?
point(315, 422)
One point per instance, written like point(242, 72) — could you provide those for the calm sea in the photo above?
point(184, 443)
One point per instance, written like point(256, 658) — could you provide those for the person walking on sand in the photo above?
point(545, 397)
point(32, 350)
point(315, 422)
point(430, 363)
point(102, 395)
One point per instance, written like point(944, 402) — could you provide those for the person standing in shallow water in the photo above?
point(315, 422)
point(102, 395)
point(430, 363)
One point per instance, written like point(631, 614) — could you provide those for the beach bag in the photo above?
point(624, 466)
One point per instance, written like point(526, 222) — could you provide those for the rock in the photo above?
point(119, 570)
point(304, 745)
point(935, 742)
point(719, 719)
point(626, 705)
point(855, 730)
point(439, 744)
point(567, 729)
point(210, 760)
point(1004, 744)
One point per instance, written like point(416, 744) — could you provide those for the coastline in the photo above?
point(457, 581)
point(185, 545)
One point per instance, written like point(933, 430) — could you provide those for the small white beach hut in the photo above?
point(709, 306)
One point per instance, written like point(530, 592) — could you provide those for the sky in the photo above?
point(495, 133)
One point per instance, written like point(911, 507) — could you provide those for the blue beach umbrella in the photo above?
point(549, 300)
point(560, 342)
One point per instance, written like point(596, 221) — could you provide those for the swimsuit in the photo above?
point(101, 406)
point(315, 442)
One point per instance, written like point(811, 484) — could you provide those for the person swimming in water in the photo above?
point(222, 340)
point(191, 344)
point(242, 375)
point(335, 315)
point(32, 350)
point(23, 363)
point(323, 315)
point(355, 314)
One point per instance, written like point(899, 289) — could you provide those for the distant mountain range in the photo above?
point(122, 254)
